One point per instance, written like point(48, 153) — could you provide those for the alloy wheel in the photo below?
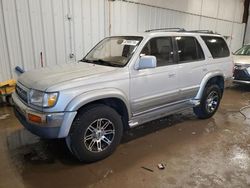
point(212, 101)
point(99, 135)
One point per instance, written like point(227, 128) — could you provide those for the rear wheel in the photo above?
point(95, 134)
point(209, 103)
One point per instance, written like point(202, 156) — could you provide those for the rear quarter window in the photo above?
point(217, 46)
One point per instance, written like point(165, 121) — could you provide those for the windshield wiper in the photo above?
point(100, 62)
point(86, 60)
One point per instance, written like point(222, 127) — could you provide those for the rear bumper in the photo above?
point(54, 125)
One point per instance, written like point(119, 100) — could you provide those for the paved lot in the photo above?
point(197, 153)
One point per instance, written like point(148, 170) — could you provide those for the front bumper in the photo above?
point(54, 125)
point(241, 76)
point(241, 82)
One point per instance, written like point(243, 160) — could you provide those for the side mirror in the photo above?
point(147, 62)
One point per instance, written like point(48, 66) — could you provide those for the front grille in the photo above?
point(22, 93)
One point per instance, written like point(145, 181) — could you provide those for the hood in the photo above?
point(241, 59)
point(42, 79)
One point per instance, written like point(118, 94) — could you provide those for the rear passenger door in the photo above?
point(192, 65)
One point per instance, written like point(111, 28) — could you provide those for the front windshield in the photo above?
point(245, 50)
point(113, 51)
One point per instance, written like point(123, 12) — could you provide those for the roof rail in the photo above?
point(167, 29)
point(177, 29)
point(202, 31)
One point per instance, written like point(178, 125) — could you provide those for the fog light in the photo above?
point(34, 118)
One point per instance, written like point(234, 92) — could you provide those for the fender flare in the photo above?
point(95, 95)
point(86, 98)
point(205, 80)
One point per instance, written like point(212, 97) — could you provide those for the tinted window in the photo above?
point(217, 46)
point(189, 49)
point(162, 49)
point(245, 50)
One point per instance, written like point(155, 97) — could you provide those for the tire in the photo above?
point(209, 102)
point(96, 132)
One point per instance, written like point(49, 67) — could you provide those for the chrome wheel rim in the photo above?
point(212, 101)
point(99, 135)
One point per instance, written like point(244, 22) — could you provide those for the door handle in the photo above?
point(171, 75)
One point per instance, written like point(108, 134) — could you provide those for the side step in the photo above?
point(133, 123)
point(195, 102)
point(159, 113)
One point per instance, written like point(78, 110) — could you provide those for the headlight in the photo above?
point(43, 99)
point(36, 97)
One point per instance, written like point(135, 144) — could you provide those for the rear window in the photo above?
point(217, 46)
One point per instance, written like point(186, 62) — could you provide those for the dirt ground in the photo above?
point(196, 153)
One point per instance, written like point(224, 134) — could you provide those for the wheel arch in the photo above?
point(212, 78)
point(110, 97)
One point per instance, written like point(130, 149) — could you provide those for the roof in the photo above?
point(173, 32)
point(181, 30)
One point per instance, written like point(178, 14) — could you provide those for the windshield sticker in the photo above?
point(130, 42)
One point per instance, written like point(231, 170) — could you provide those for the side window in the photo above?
point(189, 49)
point(162, 49)
point(217, 46)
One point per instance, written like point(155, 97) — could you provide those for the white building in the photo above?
point(35, 32)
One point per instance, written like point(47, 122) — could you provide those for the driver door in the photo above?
point(155, 87)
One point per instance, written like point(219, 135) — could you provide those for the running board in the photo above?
point(195, 102)
point(159, 113)
point(133, 123)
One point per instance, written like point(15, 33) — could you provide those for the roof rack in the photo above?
point(202, 31)
point(177, 29)
point(168, 29)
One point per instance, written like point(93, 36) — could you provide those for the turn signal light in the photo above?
point(52, 100)
point(34, 118)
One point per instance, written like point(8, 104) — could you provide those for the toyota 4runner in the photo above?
point(124, 81)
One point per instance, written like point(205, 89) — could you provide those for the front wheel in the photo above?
point(95, 133)
point(209, 103)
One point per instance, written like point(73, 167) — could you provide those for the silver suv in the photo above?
point(124, 81)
